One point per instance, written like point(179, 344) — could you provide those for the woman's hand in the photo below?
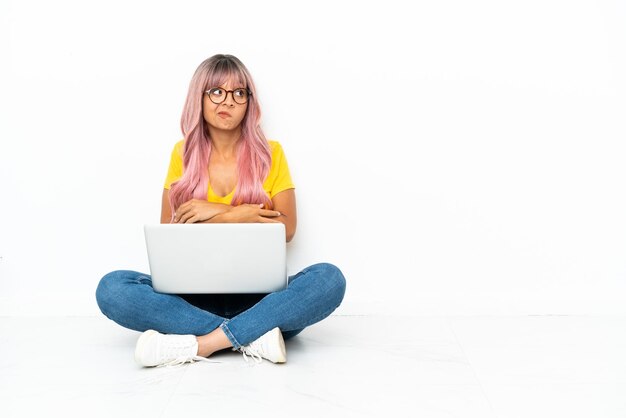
point(196, 210)
point(248, 213)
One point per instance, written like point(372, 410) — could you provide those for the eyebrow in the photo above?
point(222, 87)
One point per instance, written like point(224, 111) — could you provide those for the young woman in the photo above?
point(224, 170)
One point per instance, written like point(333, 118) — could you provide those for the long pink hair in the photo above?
point(253, 151)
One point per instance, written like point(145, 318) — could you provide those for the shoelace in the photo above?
point(249, 352)
point(179, 354)
point(179, 361)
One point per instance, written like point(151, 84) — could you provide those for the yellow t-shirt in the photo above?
point(277, 180)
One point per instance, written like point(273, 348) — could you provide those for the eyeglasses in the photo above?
point(218, 95)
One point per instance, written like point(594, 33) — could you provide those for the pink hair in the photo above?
point(253, 151)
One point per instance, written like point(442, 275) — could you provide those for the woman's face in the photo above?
point(228, 114)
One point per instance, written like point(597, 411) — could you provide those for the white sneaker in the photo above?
point(156, 349)
point(269, 346)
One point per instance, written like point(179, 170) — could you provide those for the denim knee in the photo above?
point(333, 279)
point(107, 290)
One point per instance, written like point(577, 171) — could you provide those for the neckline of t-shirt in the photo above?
point(211, 191)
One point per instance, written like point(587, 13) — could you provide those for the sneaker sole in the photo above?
point(140, 344)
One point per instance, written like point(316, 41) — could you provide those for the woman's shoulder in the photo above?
point(179, 147)
point(275, 146)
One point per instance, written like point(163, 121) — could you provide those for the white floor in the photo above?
point(345, 366)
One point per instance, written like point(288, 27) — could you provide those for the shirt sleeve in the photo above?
point(279, 172)
point(175, 170)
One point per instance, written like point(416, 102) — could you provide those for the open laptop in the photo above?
point(217, 258)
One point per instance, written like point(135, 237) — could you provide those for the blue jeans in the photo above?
point(127, 297)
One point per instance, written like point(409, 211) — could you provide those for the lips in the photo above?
point(224, 114)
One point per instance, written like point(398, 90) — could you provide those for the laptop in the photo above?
point(217, 258)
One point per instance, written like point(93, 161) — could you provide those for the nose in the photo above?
point(230, 102)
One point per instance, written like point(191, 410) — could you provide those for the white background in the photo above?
point(451, 157)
